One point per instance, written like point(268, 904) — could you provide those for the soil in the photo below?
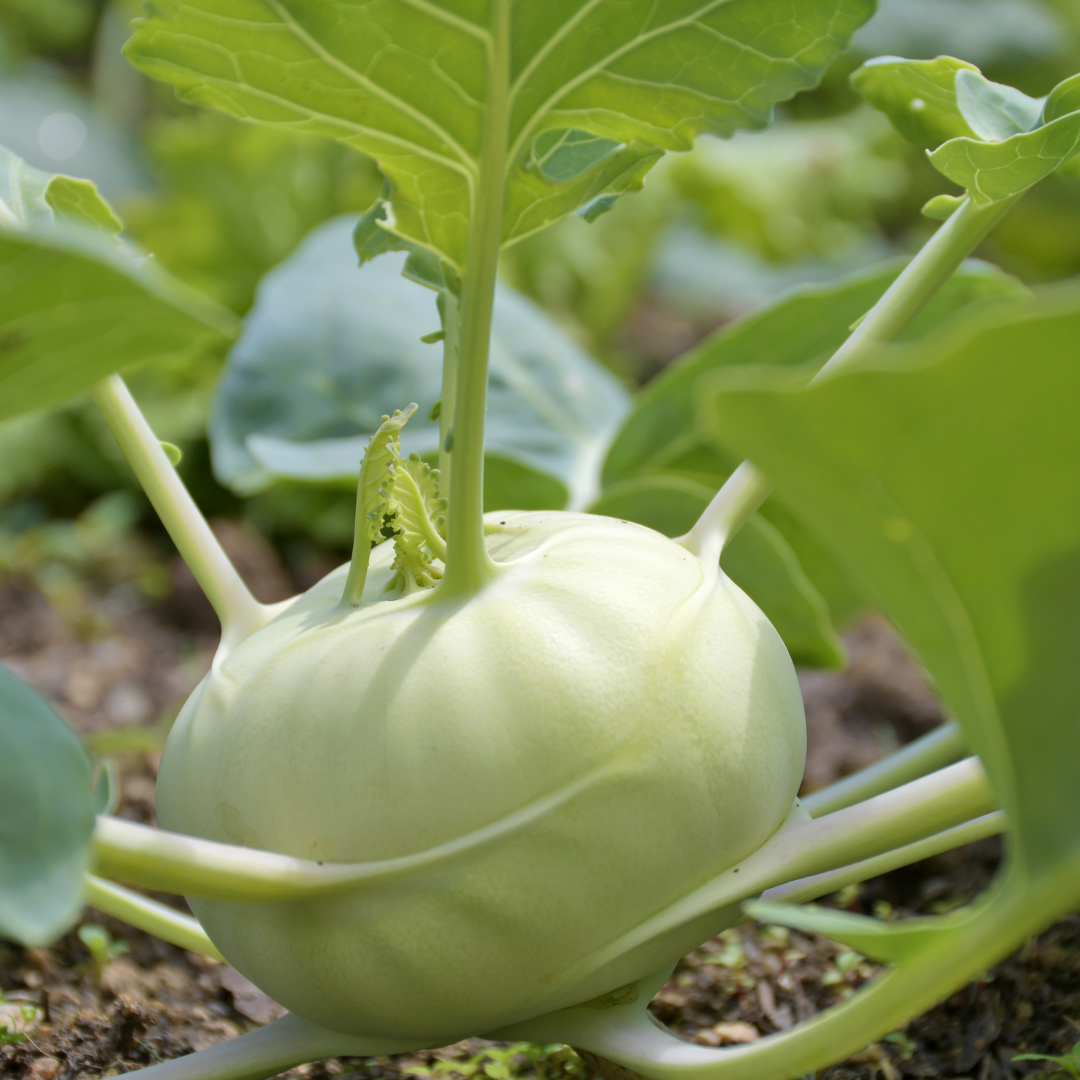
point(112, 659)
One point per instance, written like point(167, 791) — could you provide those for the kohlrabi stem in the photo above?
point(240, 613)
point(732, 506)
point(468, 565)
point(938, 260)
point(145, 914)
point(449, 310)
point(935, 750)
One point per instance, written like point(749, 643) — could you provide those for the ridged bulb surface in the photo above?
point(632, 721)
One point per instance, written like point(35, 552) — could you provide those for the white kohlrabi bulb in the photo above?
point(631, 718)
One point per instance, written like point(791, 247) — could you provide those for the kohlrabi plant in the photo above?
point(496, 774)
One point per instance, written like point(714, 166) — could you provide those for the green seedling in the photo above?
point(495, 775)
point(15, 1019)
point(1069, 1063)
point(101, 945)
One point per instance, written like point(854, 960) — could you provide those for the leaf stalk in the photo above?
point(746, 489)
point(240, 613)
point(468, 565)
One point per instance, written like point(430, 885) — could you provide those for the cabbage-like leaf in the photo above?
point(446, 94)
point(995, 141)
point(991, 171)
point(75, 302)
point(329, 348)
point(46, 817)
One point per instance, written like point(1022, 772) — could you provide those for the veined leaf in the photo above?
point(46, 817)
point(995, 140)
point(947, 480)
point(918, 96)
point(552, 408)
point(436, 90)
point(76, 303)
point(993, 171)
point(1015, 141)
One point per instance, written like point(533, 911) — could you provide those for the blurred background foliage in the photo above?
point(717, 232)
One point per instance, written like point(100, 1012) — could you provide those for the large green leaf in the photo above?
point(417, 84)
point(552, 409)
point(759, 560)
point(46, 817)
point(946, 477)
point(75, 302)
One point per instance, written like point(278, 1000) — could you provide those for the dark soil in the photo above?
point(106, 656)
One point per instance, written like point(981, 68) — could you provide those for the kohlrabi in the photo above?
point(496, 774)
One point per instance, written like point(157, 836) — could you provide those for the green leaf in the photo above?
point(416, 85)
point(46, 817)
point(75, 303)
point(32, 199)
point(1029, 139)
point(1063, 99)
point(993, 171)
point(758, 560)
point(945, 477)
point(994, 112)
point(552, 409)
point(918, 96)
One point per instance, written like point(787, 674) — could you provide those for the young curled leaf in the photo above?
point(378, 475)
point(418, 514)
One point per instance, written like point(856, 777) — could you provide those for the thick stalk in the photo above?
point(145, 914)
point(172, 862)
point(733, 505)
point(468, 565)
point(933, 751)
point(885, 321)
point(448, 309)
point(240, 613)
